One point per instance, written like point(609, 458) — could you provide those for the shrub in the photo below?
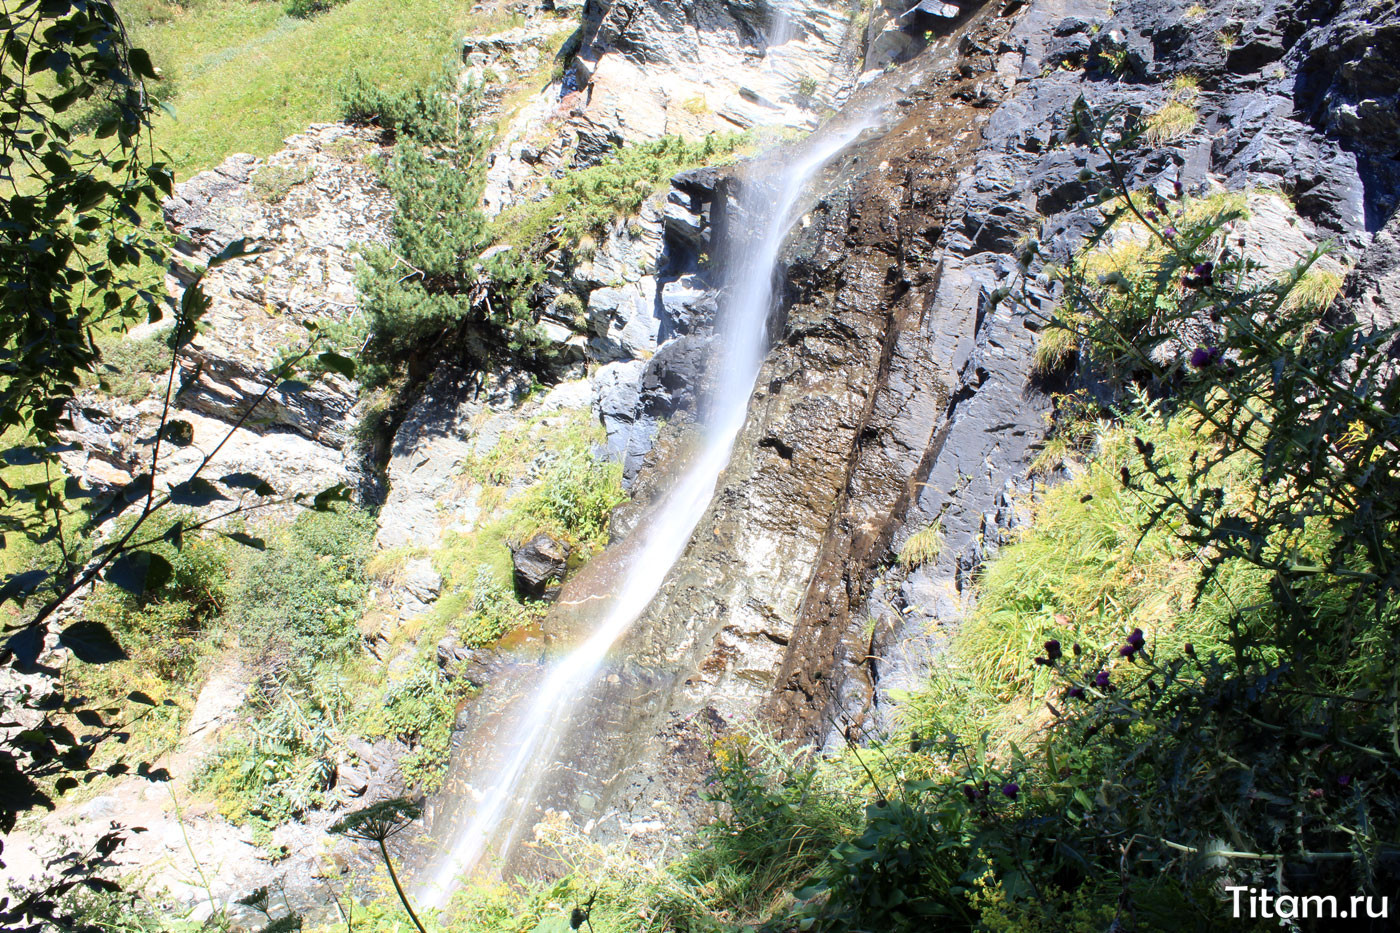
point(419, 710)
point(432, 289)
point(304, 9)
point(576, 498)
point(489, 611)
point(129, 365)
point(281, 763)
point(163, 628)
point(583, 204)
point(301, 597)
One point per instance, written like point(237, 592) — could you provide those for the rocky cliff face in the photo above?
point(310, 205)
point(899, 395)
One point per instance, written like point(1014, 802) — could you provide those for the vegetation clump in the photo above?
point(436, 287)
point(582, 205)
point(923, 547)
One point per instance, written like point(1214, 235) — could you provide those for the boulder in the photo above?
point(453, 657)
point(539, 564)
point(624, 321)
point(616, 392)
point(673, 376)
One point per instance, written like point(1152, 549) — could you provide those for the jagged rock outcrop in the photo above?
point(308, 206)
point(641, 70)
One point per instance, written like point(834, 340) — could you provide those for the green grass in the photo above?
point(243, 76)
point(1175, 119)
point(1083, 573)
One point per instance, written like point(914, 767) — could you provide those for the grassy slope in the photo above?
point(241, 76)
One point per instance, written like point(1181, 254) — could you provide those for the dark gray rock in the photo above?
point(1346, 80)
point(616, 399)
point(673, 376)
point(1371, 294)
point(689, 304)
point(539, 563)
point(453, 657)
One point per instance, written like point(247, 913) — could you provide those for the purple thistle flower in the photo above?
point(1128, 651)
point(1344, 779)
point(1011, 790)
point(1203, 357)
point(1136, 638)
point(1177, 188)
point(971, 793)
point(1169, 233)
point(1042, 662)
point(1101, 679)
point(1052, 650)
point(1202, 274)
point(1190, 649)
point(1075, 693)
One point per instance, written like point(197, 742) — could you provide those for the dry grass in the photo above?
point(1175, 119)
point(923, 546)
point(1315, 290)
point(1055, 350)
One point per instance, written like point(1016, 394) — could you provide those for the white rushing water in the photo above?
point(742, 343)
point(771, 198)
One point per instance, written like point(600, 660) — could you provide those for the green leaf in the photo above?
point(138, 572)
point(337, 364)
point(91, 642)
point(178, 432)
point(140, 62)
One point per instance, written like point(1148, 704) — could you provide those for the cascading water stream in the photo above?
point(772, 194)
point(742, 333)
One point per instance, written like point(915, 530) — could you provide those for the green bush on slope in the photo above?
point(296, 603)
point(581, 205)
point(432, 295)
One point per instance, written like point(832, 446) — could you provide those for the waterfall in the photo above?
point(772, 194)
